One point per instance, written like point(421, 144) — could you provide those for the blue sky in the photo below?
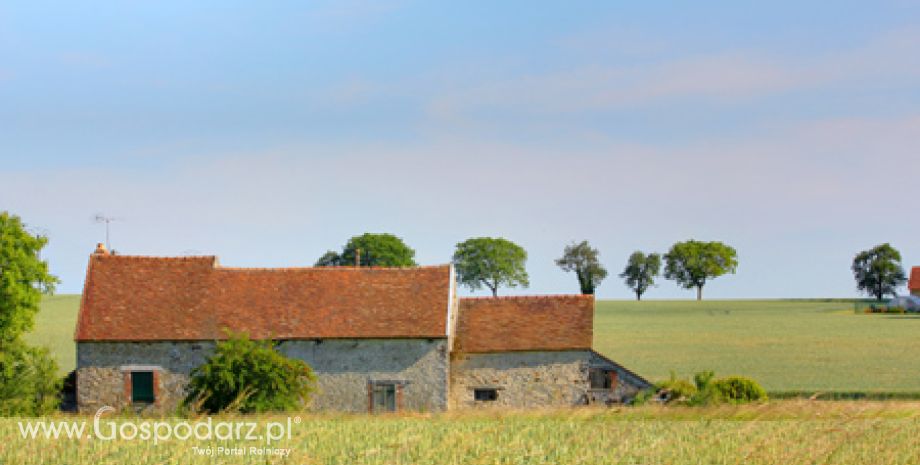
point(268, 134)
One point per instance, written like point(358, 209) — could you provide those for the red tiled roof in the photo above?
point(914, 284)
point(497, 324)
point(128, 298)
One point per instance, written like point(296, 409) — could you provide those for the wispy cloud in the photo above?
point(723, 77)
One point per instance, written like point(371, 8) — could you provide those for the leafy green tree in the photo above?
point(691, 264)
point(250, 377)
point(330, 258)
point(582, 259)
point(374, 250)
point(640, 272)
point(28, 375)
point(29, 384)
point(490, 262)
point(23, 277)
point(878, 271)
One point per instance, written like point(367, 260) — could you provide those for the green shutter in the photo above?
point(142, 386)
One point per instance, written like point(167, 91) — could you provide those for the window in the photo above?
point(384, 397)
point(142, 387)
point(602, 379)
point(485, 395)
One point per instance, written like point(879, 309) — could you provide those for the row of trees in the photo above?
point(492, 263)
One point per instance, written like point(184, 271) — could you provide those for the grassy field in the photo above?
point(54, 327)
point(787, 345)
point(784, 432)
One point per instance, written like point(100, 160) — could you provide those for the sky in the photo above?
point(267, 133)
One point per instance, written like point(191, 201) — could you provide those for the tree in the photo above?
point(582, 259)
point(250, 377)
point(691, 264)
point(490, 262)
point(878, 271)
point(640, 272)
point(375, 250)
point(24, 277)
point(330, 258)
point(28, 375)
point(29, 384)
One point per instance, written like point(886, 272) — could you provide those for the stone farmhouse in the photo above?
point(914, 284)
point(378, 339)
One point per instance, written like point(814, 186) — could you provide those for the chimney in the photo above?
point(100, 249)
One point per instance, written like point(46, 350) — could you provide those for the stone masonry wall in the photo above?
point(343, 367)
point(101, 380)
point(628, 384)
point(523, 379)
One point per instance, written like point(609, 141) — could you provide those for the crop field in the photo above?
point(779, 432)
point(787, 345)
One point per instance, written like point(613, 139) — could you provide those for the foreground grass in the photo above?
point(785, 432)
point(786, 345)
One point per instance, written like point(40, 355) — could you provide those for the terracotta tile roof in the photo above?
point(128, 298)
point(498, 324)
point(914, 284)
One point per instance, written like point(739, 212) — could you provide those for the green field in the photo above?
point(54, 328)
point(787, 345)
point(781, 432)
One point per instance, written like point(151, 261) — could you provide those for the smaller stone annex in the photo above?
point(378, 339)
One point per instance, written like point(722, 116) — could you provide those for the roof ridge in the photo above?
point(530, 297)
point(332, 268)
point(155, 257)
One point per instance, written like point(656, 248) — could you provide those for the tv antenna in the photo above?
point(101, 218)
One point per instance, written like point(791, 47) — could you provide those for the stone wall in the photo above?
point(343, 367)
point(101, 376)
point(628, 384)
point(536, 379)
point(522, 379)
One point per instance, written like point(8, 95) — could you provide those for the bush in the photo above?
point(706, 390)
point(29, 385)
point(249, 376)
point(737, 389)
point(675, 389)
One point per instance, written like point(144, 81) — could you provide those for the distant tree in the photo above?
point(691, 264)
point(582, 259)
point(374, 250)
point(490, 262)
point(330, 258)
point(878, 271)
point(24, 277)
point(640, 272)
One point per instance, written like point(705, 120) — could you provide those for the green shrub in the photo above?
point(707, 390)
point(29, 384)
point(249, 376)
point(737, 389)
point(675, 389)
